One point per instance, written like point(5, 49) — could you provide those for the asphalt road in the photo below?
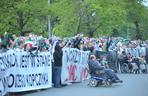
point(133, 85)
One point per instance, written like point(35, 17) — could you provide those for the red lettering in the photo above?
point(72, 72)
point(84, 73)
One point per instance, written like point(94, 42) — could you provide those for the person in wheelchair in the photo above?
point(125, 62)
point(123, 58)
point(96, 69)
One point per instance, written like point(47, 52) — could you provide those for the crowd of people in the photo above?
point(116, 46)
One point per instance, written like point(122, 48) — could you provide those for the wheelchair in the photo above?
point(99, 78)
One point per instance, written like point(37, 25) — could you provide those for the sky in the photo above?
point(146, 3)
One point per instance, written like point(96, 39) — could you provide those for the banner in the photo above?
point(75, 67)
point(136, 52)
point(21, 71)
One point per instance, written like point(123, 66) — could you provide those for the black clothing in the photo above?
point(58, 56)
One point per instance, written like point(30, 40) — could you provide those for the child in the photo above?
point(104, 62)
point(143, 64)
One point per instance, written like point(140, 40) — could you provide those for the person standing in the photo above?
point(57, 56)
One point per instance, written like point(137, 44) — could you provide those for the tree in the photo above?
point(23, 15)
point(136, 12)
point(87, 16)
point(70, 17)
point(109, 14)
point(66, 17)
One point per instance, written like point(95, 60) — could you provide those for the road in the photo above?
point(133, 85)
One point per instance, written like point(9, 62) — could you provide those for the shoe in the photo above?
point(63, 85)
point(118, 81)
point(59, 86)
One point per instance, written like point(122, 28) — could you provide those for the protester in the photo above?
point(143, 65)
point(57, 64)
point(96, 46)
point(0, 43)
point(97, 49)
point(21, 46)
point(95, 65)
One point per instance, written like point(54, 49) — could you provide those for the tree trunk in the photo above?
point(81, 11)
point(79, 24)
point(138, 35)
point(21, 22)
point(90, 32)
point(115, 33)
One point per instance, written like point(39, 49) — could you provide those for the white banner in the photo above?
point(136, 52)
point(21, 71)
point(75, 67)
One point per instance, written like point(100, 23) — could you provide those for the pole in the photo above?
point(49, 29)
point(49, 24)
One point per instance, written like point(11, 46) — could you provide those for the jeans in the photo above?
point(57, 76)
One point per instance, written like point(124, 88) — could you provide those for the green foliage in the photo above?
point(69, 17)
point(97, 16)
point(23, 15)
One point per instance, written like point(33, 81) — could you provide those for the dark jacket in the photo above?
point(93, 65)
point(58, 56)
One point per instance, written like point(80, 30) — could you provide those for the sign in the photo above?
point(136, 52)
point(75, 67)
point(21, 71)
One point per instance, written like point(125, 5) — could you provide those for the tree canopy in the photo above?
point(127, 18)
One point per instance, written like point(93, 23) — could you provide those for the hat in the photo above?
point(92, 56)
